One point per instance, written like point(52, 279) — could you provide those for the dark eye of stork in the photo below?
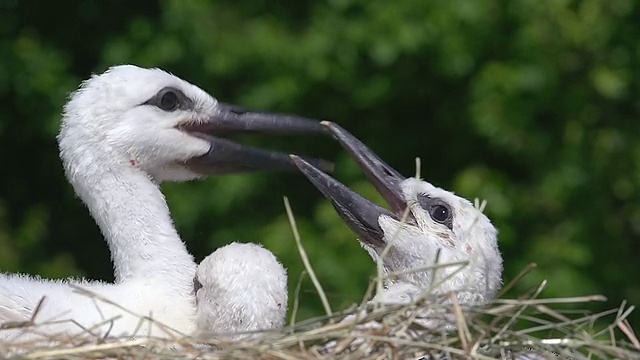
point(438, 210)
point(168, 99)
point(439, 213)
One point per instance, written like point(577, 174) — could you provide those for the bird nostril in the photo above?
point(238, 112)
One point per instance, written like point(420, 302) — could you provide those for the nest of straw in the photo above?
point(431, 327)
point(504, 329)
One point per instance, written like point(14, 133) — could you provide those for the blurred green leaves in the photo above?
point(530, 105)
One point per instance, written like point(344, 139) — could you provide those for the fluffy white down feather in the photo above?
point(244, 288)
point(115, 152)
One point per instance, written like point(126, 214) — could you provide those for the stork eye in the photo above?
point(438, 210)
point(168, 99)
point(439, 213)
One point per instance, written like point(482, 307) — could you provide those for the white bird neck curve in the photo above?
point(122, 197)
point(135, 220)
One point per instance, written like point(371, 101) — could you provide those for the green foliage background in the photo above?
point(532, 105)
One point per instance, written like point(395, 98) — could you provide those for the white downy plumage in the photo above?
point(441, 228)
point(124, 132)
point(240, 288)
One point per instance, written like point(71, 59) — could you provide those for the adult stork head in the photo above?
point(240, 288)
point(440, 227)
point(172, 130)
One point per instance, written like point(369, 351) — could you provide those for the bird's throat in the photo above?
point(136, 223)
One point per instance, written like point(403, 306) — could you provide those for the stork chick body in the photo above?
point(124, 132)
point(440, 228)
point(464, 236)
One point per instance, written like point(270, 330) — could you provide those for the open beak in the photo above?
point(360, 214)
point(385, 178)
point(225, 156)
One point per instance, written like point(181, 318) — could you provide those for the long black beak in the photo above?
point(360, 214)
point(385, 178)
point(226, 156)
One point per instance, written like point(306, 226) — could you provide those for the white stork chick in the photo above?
point(124, 132)
point(441, 228)
point(240, 288)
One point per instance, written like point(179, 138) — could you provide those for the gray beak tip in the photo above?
point(326, 123)
point(302, 164)
point(298, 162)
point(342, 135)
